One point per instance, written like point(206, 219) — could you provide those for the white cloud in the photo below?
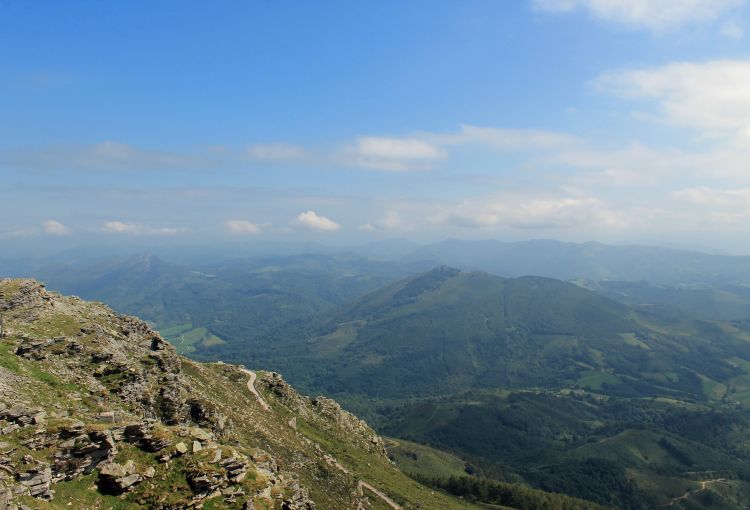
point(390, 221)
point(393, 154)
point(166, 231)
point(243, 227)
point(655, 15)
point(424, 150)
point(525, 210)
point(713, 207)
point(276, 152)
point(704, 196)
point(119, 227)
point(55, 228)
point(313, 221)
point(713, 97)
point(503, 139)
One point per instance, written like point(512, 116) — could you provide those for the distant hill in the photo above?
point(594, 261)
point(544, 381)
point(231, 306)
point(725, 302)
point(445, 330)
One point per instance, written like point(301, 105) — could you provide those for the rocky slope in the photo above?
point(98, 411)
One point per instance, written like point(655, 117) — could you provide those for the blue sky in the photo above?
point(614, 120)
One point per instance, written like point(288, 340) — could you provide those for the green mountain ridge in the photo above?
point(250, 302)
point(527, 380)
point(445, 329)
point(537, 380)
point(591, 260)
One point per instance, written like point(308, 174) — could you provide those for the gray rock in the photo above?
point(129, 481)
point(201, 435)
point(9, 429)
point(113, 470)
point(114, 478)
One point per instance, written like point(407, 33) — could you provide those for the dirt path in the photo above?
point(361, 485)
point(704, 484)
point(251, 386)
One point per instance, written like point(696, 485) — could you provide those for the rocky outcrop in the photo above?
point(81, 452)
point(88, 392)
point(328, 412)
point(116, 478)
point(146, 437)
point(36, 482)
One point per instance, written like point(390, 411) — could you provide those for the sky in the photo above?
point(619, 121)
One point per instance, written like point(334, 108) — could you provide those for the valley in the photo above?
point(620, 393)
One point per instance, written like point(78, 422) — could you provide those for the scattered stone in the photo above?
point(110, 417)
point(130, 467)
point(38, 418)
point(143, 434)
point(9, 429)
point(216, 456)
point(114, 478)
point(37, 481)
point(200, 434)
point(204, 483)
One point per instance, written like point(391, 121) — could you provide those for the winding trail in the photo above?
point(251, 386)
point(361, 485)
point(704, 484)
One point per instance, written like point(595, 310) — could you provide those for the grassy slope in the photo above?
point(300, 451)
point(419, 459)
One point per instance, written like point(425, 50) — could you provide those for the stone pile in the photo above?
point(36, 482)
point(144, 436)
point(81, 452)
point(13, 418)
point(117, 478)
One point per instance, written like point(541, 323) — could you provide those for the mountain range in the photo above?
point(626, 383)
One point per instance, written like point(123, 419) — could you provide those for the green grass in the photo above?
point(8, 358)
point(188, 340)
point(595, 379)
point(711, 388)
point(79, 491)
point(175, 331)
point(414, 458)
point(212, 341)
point(631, 339)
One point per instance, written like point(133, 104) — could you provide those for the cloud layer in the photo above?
point(656, 15)
point(119, 227)
point(243, 227)
point(712, 97)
